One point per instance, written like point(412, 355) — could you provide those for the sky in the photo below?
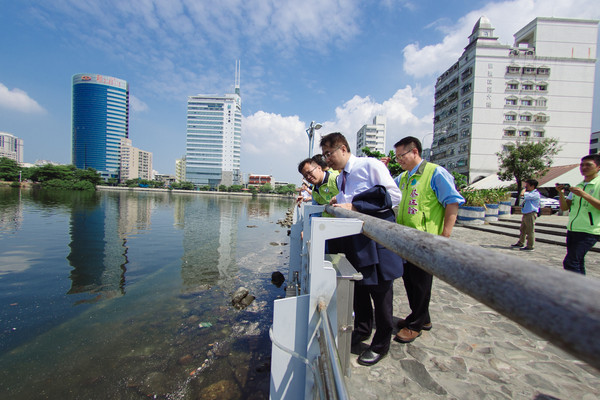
point(335, 62)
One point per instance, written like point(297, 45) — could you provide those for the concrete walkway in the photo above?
point(473, 352)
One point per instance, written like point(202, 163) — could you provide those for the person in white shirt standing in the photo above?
point(365, 185)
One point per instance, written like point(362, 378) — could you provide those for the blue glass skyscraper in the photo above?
point(100, 121)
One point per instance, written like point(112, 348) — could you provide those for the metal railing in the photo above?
point(560, 306)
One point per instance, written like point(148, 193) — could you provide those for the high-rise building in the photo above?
point(134, 163)
point(371, 136)
point(540, 87)
point(180, 170)
point(214, 134)
point(11, 147)
point(100, 121)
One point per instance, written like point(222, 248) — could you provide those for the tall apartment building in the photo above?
point(540, 87)
point(371, 136)
point(214, 135)
point(100, 121)
point(11, 147)
point(180, 169)
point(134, 163)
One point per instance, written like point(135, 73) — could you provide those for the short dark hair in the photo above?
point(320, 160)
point(410, 140)
point(304, 162)
point(334, 139)
point(532, 182)
point(593, 157)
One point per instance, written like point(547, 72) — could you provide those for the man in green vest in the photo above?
point(583, 203)
point(324, 182)
point(429, 203)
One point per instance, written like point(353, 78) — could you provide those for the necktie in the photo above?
point(343, 187)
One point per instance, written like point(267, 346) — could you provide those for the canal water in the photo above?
point(121, 295)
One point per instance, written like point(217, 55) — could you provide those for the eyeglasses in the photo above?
point(309, 172)
point(399, 156)
point(329, 153)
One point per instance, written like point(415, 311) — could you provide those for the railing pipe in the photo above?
point(560, 306)
point(329, 354)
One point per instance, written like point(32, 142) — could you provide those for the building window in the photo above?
point(593, 151)
point(510, 117)
point(510, 132)
point(465, 119)
point(541, 87)
point(529, 70)
point(466, 104)
point(526, 102)
point(524, 133)
point(527, 86)
point(541, 118)
point(538, 134)
point(594, 141)
point(511, 101)
point(525, 117)
point(543, 71)
point(466, 88)
point(512, 69)
point(512, 86)
point(540, 103)
point(465, 133)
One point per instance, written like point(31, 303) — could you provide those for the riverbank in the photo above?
point(211, 193)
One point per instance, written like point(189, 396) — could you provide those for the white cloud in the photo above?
point(18, 100)
point(136, 104)
point(275, 144)
point(507, 17)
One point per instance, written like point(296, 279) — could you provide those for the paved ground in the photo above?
point(472, 352)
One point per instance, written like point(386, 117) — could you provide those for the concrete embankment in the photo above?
point(473, 352)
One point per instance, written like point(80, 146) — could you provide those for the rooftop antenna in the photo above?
point(238, 67)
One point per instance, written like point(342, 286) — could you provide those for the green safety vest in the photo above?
point(584, 217)
point(419, 207)
point(326, 192)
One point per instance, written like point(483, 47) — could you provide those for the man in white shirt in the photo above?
point(365, 185)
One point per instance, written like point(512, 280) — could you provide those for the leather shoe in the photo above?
point(517, 245)
point(358, 338)
point(402, 324)
point(406, 335)
point(369, 357)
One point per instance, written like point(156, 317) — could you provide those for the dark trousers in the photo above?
point(382, 296)
point(578, 244)
point(418, 290)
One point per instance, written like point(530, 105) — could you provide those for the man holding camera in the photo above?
point(583, 203)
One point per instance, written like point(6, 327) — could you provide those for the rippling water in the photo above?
point(120, 295)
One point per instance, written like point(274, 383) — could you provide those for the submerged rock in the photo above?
point(241, 298)
point(277, 278)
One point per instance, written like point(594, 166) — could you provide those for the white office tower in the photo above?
point(371, 136)
point(541, 87)
point(134, 163)
point(214, 135)
point(11, 147)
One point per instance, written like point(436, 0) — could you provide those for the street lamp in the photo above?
point(311, 136)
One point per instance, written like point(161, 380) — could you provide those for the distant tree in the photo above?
point(393, 166)
point(235, 188)
point(266, 188)
point(9, 169)
point(112, 182)
point(222, 188)
point(204, 188)
point(90, 175)
point(290, 188)
point(182, 185)
point(523, 160)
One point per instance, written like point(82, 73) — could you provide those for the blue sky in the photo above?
point(337, 62)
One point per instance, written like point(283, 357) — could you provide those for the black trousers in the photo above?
point(418, 290)
point(382, 296)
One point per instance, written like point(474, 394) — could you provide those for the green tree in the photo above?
point(266, 188)
point(393, 166)
point(290, 188)
point(9, 169)
point(460, 180)
point(222, 188)
point(523, 160)
point(234, 188)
